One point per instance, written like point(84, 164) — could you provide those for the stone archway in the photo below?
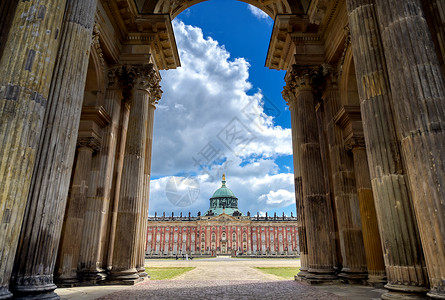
point(401, 104)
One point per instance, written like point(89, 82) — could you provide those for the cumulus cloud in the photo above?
point(209, 122)
point(258, 13)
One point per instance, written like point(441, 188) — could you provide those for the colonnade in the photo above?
point(79, 84)
point(383, 150)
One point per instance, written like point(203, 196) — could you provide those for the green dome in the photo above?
point(223, 192)
point(223, 201)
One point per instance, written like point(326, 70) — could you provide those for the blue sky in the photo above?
point(222, 111)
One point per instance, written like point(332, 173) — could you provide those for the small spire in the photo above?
point(224, 179)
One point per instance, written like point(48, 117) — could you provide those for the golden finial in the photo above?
point(224, 177)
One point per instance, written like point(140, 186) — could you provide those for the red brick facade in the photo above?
point(223, 234)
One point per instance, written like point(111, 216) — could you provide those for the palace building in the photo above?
point(222, 230)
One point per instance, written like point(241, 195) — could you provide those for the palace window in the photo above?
point(234, 236)
point(203, 237)
point(213, 237)
point(244, 237)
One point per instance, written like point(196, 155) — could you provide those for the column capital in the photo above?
point(89, 142)
point(330, 74)
point(354, 142)
point(114, 75)
point(139, 76)
point(301, 78)
point(156, 93)
point(143, 77)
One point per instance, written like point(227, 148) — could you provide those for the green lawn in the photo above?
point(284, 272)
point(166, 273)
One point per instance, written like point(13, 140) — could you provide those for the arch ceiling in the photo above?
point(270, 7)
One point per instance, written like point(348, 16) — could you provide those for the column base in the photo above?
point(302, 274)
point(127, 277)
point(141, 272)
point(5, 293)
point(67, 282)
point(405, 292)
point(377, 281)
point(436, 294)
point(353, 277)
point(33, 290)
point(93, 276)
point(321, 276)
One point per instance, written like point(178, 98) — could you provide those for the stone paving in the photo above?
point(223, 278)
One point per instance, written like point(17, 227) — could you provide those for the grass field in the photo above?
point(166, 273)
point(283, 272)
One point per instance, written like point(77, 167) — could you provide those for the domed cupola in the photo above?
point(223, 199)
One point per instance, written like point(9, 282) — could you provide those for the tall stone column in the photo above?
point(371, 235)
point(349, 119)
point(91, 264)
point(155, 96)
point(40, 234)
point(346, 200)
point(317, 208)
point(27, 64)
point(68, 259)
point(117, 178)
point(418, 83)
point(289, 96)
point(405, 269)
point(126, 246)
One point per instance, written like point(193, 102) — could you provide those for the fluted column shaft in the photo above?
point(74, 218)
point(130, 200)
point(371, 235)
point(289, 96)
point(117, 179)
point(26, 66)
point(419, 110)
point(317, 208)
point(346, 200)
point(155, 94)
point(91, 263)
point(405, 269)
point(42, 225)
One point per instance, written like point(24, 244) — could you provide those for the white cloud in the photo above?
point(206, 117)
point(258, 13)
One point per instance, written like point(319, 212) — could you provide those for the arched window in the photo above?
point(234, 236)
point(203, 237)
point(213, 237)
point(244, 237)
point(223, 235)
